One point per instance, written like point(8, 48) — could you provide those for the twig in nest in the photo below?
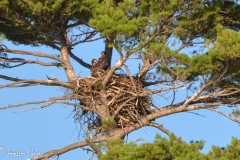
point(128, 100)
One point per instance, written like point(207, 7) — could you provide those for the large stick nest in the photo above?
point(128, 100)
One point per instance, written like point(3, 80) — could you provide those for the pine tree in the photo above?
point(155, 32)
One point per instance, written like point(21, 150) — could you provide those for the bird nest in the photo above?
point(128, 100)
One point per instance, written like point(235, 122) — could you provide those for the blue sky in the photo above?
point(41, 130)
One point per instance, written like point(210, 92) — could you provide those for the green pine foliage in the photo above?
point(38, 22)
point(168, 149)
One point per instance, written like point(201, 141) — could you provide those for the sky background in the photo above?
point(38, 131)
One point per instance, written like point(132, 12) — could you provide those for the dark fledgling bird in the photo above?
point(93, 69)
point(100, 65)
point(102, 62)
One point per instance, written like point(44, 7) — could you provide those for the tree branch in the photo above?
point(23, 61)
point(161, 128)
point(157, 82)
point(34, 102)
point(204, 87)
point(146, 67)
point(124, 58)
point(30, 82)
point(10, 78)
point(229, 117)
point(80, 61)
point(69, 148)
point(92, 145)
point(38, 54)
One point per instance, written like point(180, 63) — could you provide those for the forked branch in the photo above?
point(216, 78)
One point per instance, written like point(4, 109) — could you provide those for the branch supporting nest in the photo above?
point(128, 100)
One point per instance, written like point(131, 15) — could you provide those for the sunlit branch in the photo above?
point(204, 86)
point(23, 83)
point(40, 107)
point(131, 78)
point(158, 82)
point(160, 127)
point(69, 148)
point(164, 130)
point(146, 67)
point(125, 57)
point(38, 54)
point(52, 99)
point(225, 98)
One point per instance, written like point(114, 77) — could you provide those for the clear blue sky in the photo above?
point(41, 130)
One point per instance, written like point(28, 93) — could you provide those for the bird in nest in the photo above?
point(100, 65)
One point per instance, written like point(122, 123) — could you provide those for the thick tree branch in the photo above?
point(121, 132)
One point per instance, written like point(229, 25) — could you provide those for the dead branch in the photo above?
point(147, 66)
point(196, 94)
point(23, 61)
point(69, 148)
point(158, 82)
point(31, 82)
point(139, 139)
point(129, 75)
point(210, 82)
point(224, 114)
point(125, 57)
point(161, 128)
point(10, 78)
point(52, 99)
point(92, 145)
point(37, 54)
point(40, 107)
